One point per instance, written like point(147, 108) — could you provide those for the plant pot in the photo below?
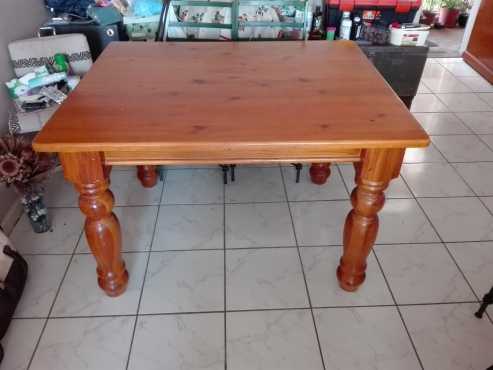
point(462, 20)
point(442, 15)
point(37, 212)
point(451, 20)
point(428, 18)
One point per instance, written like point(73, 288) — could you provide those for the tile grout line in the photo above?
point(477, 197)
point(343, 181)
point(392, 293)
point(303, 271)
point(444, 245)
point(460, 175)
point(399, 311)
point(54, 300)
point(136, 316)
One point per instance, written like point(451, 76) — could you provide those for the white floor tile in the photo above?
point(479, 122)
point(459, 219)
point(85, 344)
point(434, 180)
point(191, 342)
point(66, 229)
point(488, 201)
point(475, 260)
point(435, 70)
point(320, 265)
point(256, 184)
point(60, 192)
point(364, 338)
point(137, 226)
point(19, 343)
point(264, 278)
point(461, 69)
point(396, 189)
point(272, 340)
point(488, 139)
point(423, 89)
point(428, 103)
point(444, 61)
point(478, 175)
point(196, 186)
point(320, 223)
point(258, 225)
point(463, 148)
point(44, 278)
point(441, 123)
point(190, 281)
point(430, 154)
point(402, 221)
point(445, 83)
point(464, 102)
point(477, 84)
point(81, 296)
point(305, 190)
point(189, 227)
point(449, 337)
point(128, 190)
point(488, 98)
point(422, 273)
point(432, 60)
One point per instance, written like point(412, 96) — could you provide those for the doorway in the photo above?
point(448, 19)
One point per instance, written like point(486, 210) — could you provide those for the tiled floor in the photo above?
point(244, 274)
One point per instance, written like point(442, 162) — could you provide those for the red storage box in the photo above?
point(401, 11)
point(400, 6)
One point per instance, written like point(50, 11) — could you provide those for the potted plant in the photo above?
point(25, 170)
point(429, 15)
point(464, 13)
point(449, 13)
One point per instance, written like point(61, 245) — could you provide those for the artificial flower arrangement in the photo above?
point(25, 170)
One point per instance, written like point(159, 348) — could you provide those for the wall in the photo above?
point(470, 24)
point(18, 19)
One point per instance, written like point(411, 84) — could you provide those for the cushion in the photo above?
point(36, 52)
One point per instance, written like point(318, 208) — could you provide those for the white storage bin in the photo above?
point(409, 36)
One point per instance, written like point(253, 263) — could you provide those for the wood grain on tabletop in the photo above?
point(139, 96)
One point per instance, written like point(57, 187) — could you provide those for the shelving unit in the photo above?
point(296, 20)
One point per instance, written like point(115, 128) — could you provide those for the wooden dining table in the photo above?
point(149, 104)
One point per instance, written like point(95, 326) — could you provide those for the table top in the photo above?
point(159, 96)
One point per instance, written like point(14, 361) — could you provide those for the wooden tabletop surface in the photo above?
point(157, 95)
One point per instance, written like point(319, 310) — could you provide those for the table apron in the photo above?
point(156, 157)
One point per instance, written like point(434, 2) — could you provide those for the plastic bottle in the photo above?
point(346, 23)
point(356, 28)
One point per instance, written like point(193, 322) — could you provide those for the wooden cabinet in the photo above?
point(479, 53)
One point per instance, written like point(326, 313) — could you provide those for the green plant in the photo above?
point(452, 4)
point(431, 5)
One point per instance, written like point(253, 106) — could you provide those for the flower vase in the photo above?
point(37, 212)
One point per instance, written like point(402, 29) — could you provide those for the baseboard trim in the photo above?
point(478, 66)
point(12, 216)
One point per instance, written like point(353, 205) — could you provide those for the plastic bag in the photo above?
point(78, 7)
point(146, 8)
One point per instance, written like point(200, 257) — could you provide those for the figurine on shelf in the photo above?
point(25, 170)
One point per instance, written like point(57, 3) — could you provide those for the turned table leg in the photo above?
point(373, 174)
point(147, 176)
point(319, 173)
point(89, 176)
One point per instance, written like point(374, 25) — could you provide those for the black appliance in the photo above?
point(98, 36)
